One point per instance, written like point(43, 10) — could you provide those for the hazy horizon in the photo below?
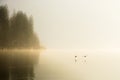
point(73, 24)
point(82, 38)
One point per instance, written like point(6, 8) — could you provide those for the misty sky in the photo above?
point(73, 24)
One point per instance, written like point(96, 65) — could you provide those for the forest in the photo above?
point(17, 31)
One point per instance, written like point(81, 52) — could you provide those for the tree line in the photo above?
point(16, 31)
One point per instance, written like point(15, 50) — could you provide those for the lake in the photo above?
point(60, 65)
point(97, 65)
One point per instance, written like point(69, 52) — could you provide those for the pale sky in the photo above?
point(73, 24)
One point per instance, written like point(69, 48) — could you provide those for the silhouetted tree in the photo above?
point(21, 30)
point(4, 26)
point(17, 32)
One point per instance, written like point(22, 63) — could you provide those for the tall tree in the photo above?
point(4, 26)
point(17, 32)
point(22, 34)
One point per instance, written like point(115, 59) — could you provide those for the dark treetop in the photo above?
point(16, 31)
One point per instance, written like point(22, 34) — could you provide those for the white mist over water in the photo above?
point(97, 65)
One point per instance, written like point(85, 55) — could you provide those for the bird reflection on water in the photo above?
point(75, 58)
point(17, 65)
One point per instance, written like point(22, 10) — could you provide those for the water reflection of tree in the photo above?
point(18, 65)
point(16, 32)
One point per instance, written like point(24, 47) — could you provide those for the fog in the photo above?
point(97, 65)
point(85, 25)
point(71, 24)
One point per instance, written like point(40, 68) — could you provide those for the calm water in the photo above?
point(59, 66)
point(89, 66)
point(17, 65)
